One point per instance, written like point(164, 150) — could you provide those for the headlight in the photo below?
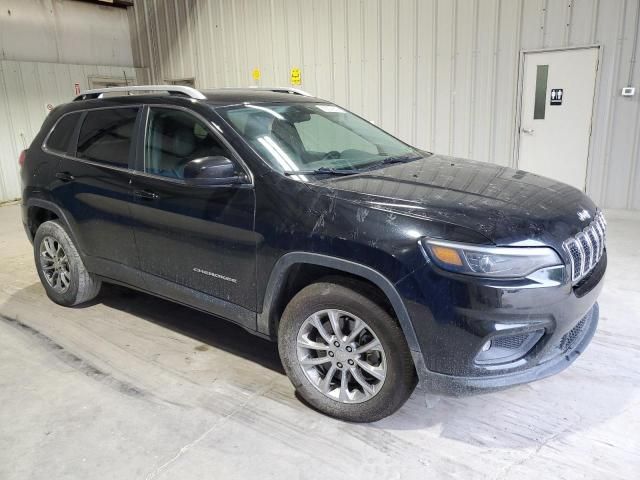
point(497, 262)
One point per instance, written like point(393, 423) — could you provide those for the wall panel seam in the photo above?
point(474, 73)
point(452, 76)
point(494, 84)
point(615, 73)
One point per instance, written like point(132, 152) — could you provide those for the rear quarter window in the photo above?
point(106, 136)
point(60, 137)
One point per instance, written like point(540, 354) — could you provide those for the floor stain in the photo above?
point(74, 361)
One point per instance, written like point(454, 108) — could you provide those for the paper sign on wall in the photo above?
point(76, 88)
point(296, 76)
point(256, 74)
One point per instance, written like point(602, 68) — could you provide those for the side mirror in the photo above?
point(211, 171)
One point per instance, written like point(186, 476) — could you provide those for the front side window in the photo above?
point(60, 137)
point(106, 136)
point(173, 139)
point(306, 136)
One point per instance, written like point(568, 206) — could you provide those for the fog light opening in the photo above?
point(506, 348)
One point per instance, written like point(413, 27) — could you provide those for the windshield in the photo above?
point(310, 137)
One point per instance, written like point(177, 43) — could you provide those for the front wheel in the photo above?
point(344, 353)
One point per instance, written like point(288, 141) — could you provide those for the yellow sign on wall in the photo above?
point(296, 76)
point(256, 74)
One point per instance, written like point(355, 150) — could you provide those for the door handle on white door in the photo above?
point(528, 131)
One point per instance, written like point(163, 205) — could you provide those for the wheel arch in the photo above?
point(266, 320)
point(36, 204)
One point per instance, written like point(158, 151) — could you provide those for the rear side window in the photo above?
point(106, 136)
point(60, 137)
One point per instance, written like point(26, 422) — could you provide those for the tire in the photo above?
point(299, 339)
point(55, 252)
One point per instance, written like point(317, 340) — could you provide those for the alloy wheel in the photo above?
point(55, 264)
point(341, 356)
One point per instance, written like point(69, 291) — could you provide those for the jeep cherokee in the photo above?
point(374, 265)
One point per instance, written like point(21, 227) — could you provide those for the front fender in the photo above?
point(266, 323)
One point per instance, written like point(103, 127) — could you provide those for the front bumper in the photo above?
point(460, 385)
point(454, 317)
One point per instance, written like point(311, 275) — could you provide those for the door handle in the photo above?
point(146, 194)
point(65, 176)
point(528, 131)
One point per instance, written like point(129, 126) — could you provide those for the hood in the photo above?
point(507, 206)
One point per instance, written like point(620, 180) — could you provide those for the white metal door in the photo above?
point(555, 124)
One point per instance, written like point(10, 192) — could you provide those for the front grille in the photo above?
point(569, 338)
point(587, 247)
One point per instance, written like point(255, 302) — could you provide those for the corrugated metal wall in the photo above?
point(25, 90)
point(64, 31)
point(45, 47)
point(441, 74)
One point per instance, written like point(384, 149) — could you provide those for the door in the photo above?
point(199, 237)
point(557, 104)
point(93, 184)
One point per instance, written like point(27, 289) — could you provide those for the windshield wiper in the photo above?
point(323, 171)
point(391, 160)
point(399, 159)
point(351, 171)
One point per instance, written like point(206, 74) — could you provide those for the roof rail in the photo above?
point(293, 91)
point(172, 89)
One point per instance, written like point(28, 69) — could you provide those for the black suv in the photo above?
point(373, 264)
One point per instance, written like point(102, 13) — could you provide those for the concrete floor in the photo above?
point(136, 387)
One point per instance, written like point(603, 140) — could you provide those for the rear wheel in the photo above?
point(60, 267)
point(345, 354)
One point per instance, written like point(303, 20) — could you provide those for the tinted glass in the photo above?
point(301, 136)
point(106, 136)
point(319, 133)
point(62, 133)
point(174, 138)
